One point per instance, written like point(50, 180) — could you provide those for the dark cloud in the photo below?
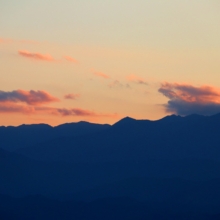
point(186, 99)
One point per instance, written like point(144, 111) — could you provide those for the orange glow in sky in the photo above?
point(105, 60)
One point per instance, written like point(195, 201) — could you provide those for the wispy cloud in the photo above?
point(115, 84)
point(71, 59)
point(16, 108)
point(101, 74)
point(76, 112)
point(29, 97)
point(45, 57)
point(36, 56)
point(72, 96)
point(118, 84)
point(137, 79)
point(10, 108)
point(186, 99)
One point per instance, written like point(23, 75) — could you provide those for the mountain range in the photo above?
point(139, 169)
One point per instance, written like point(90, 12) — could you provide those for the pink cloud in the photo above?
point(29, 97)
point(100, 74)
point(16, 108)
point(31, 102)
point(72, 96)
point(136, 79)
point(10, 108)
point(70, 59)
point(186, 99)
point(36, 56)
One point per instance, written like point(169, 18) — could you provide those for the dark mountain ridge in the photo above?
point(173, 137)
point(134, 169)
point(13, 138)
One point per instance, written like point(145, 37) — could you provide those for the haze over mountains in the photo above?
point(165, 169)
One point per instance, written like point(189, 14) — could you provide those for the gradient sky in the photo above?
point(101, 60)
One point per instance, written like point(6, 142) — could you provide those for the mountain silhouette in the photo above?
point(173, 137)
point(134, 169)
point(13, 138)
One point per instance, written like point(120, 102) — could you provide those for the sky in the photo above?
point(102, 60)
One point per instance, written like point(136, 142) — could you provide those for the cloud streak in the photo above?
point(36, 56)
point(16, 108)
point(100, 74)
point(29, 97)
point(75, 112)
point(45, 57)
point(185, 99)
point(137, 79)
point(70, 59)
point(72, 96)
point(10, 108)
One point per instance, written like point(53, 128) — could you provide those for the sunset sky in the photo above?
point(102, 60)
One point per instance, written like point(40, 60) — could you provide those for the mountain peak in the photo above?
point(127, 118)
point(125, 121)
